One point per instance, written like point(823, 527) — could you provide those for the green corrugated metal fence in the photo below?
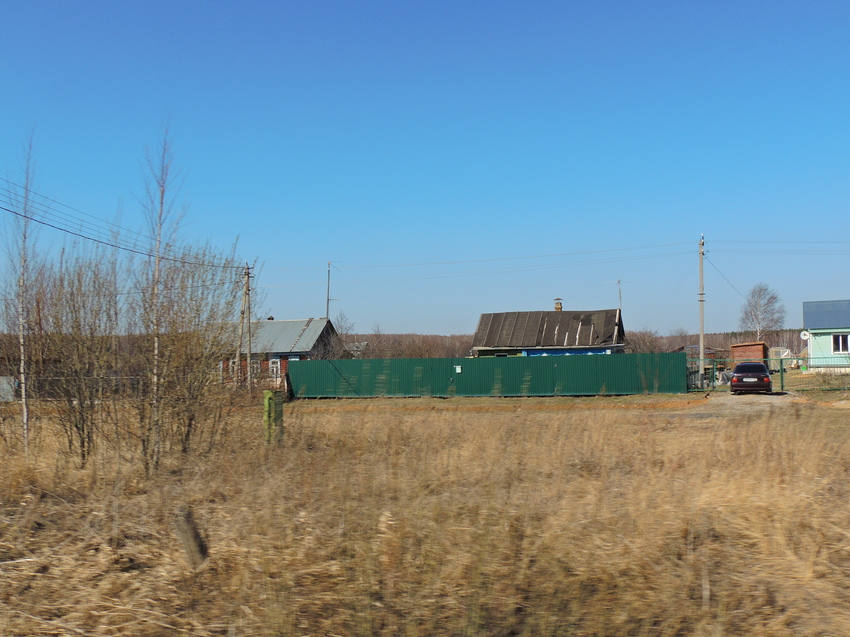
point(514, 376)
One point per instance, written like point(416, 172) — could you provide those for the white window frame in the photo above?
point(274, 368)
point(843, 344)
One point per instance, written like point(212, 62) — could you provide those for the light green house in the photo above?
point(828, 325)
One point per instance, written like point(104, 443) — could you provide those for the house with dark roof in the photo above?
point(828, 325)
point(549, 333)
point(275, 343)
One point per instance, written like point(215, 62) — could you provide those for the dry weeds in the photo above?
point(510, 517)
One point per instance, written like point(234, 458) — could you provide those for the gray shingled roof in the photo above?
point(548, 329)
point(297, 336)
point(823, 315)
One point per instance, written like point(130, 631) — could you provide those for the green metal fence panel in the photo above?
point(513, 376)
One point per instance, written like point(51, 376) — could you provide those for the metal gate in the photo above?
point(788, 374)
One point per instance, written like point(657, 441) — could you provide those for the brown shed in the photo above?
point(744, 352)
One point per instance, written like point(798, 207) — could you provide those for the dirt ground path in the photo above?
point(724, 404)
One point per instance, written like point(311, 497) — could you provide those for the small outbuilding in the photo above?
point(756, 351)
point(828, 327)
point(549, 333)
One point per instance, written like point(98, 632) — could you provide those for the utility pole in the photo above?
point(328, 295)
point(248, 305)
point(701, 299)
point(619, 294)
point(237, 372)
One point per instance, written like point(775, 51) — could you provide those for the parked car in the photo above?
point(750, 377)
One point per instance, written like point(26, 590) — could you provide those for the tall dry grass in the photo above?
point(524, 517)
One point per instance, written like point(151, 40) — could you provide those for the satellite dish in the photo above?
point(805, 335)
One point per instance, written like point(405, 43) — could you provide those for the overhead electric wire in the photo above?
point(14, 196)
point(806, 247)
point(788, 242)
point(509, 258)
point(50, 217)
point(181, 287)
point(551, 266)
point(48, 213)
point(170, 289)
point(731, 285)
point(117, 246)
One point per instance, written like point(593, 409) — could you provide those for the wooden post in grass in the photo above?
point(273, 416)
point(187, 530)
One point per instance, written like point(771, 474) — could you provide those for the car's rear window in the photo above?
point(750, 368)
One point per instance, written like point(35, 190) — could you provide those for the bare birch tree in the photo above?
point(762, 311)
point(20, 197)
point(186, 306)
point(160, 193)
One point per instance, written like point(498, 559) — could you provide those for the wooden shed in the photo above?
point(748, 352)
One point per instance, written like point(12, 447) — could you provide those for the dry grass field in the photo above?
point(650, 515)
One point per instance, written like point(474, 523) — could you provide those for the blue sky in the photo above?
point(457, 158)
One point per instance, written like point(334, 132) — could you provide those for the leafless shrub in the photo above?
point(643, 341)
point(77, 330)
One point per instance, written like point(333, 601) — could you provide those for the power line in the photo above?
point(731, 285)
point(13, 195)
point(789, 242)
point(47, 213)
point(181, 287)
point(512, 258)
point(170, 289)
point(554, 266)
point(117, 246)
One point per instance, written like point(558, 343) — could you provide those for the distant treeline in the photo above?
point(379, 345)
point(651, 341)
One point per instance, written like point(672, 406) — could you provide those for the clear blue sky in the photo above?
point(454, 158)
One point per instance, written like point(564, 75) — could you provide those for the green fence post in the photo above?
point(713, 374)
point(273, 415)
point(782, 374)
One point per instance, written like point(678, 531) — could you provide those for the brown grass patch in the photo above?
point(464, 516)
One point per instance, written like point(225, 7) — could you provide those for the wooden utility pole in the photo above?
point(246, 307)
point(701, 299)
point(237, 368)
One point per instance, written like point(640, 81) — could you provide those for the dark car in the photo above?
point(750, 377)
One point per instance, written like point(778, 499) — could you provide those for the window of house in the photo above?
point(840, 343)
point(274, 368)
